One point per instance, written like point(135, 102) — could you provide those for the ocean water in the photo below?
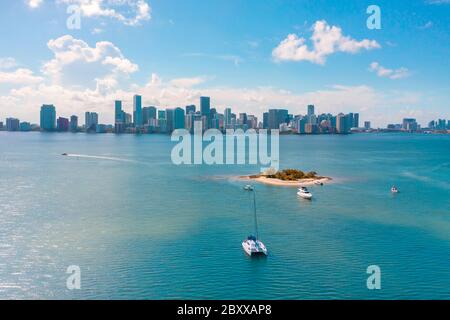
point(140, 227)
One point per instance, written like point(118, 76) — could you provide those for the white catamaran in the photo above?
point(252, 245)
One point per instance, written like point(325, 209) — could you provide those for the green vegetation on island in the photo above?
point(288, 175)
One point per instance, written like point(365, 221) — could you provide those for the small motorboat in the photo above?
point(65, 154)
point(394, 189)
point(304, 193)
point(248, 188)
point(253, 247)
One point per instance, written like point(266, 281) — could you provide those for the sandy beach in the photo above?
point(282, 183)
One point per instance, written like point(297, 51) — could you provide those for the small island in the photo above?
point(289, 178)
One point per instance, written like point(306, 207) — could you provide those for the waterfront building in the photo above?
point(101, 128)
point(90, 121)
point(1, 125)
point(311, 128)
point(356, 120)
point(74, 123)
point(265, 123)
point(25, 126)
point(205, 109)
point(148, 113)
point(137, 111)
point(410, 124)
point(161, 114)
point(311, 111)
point(62, 124)
point(367, 125)
point(277, 117)
point(12, 124)
point(178, 122)
point(48, 117)
point(170, 117)
point(341, 123)
point(227, 118)
point(190, 109)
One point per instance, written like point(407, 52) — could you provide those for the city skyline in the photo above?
point(265, 59)
point(152, 119)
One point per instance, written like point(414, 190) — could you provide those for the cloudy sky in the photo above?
point(246, 54)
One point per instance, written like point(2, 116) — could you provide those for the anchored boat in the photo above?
point(252, 245)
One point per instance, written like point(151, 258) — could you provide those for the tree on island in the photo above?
point(290, 174)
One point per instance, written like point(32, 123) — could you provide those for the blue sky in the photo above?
point(247, 54)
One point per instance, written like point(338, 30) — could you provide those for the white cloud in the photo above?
point(7, 63)
point(19, 77)
point(427, 25)
point(33, 4)
point(187, 82)
point(137, 10)
point(76, 63)
point(389, 73)
point(326, 40)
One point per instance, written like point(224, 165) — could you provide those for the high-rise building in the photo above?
point(170, 117)
point(356, 120)
point(178, 122)
point(205, 109)
point(25, 126)
point(190, 109)
point(161, 114)
point(12, 124)
point(311, 110)
point(227, 118)
point(148, 113)
point(119, 116)
point(341, 123)
point(265, 120)
point(48, 117)
point(367, 125)
point(62, 124)
point(137, 111)
point(409, 124)
point(90, 121)
point(243, 118)
point(301, 125)
point(74, 123)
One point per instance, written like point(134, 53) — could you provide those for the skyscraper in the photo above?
point(90, 121)
point(205, 108)
point(170, 117)
point(48, 117)
point(227, 117)
point(178, 122)
point(190, 109)
point(12, 124)
point(73, 123)
point(62, 124)
point(341, 123)
point(356, 120)
point(265, 120)
point(137, 111)
point(148, 113)
point(310, 110)
point(118, 111)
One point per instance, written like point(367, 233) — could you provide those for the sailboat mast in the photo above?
point(256, 219)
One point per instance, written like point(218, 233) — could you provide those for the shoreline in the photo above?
point(283, 183)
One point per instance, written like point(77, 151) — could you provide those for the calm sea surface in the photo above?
point(141, 228)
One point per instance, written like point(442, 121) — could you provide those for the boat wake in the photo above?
point(85, 156)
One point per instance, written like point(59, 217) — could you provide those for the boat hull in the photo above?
point(254, 248)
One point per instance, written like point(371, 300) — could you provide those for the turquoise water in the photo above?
point(141, 228)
